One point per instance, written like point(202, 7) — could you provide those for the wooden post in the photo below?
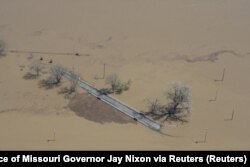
point(216, 95)
point(73, 68)
point(232, 117)
point(54, 135)
point(215, 98)
point(104, 70)
point(223, 76)
point(205, 138)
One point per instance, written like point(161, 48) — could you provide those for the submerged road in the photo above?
point(139, 116)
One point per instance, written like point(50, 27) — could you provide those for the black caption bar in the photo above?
point(124, 158)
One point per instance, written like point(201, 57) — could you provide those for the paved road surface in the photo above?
point(139, 116)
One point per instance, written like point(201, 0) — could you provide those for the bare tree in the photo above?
point(2, 48)
point(36, 67)
point(179, 106)
point(117, 86)
point(177, 109)
point(155, 109)
point(73, 83)
point(67, 91)
point(56, 72)
point(127, 85)
point(114, 81)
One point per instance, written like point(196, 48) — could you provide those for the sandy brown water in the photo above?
point(153, 43)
